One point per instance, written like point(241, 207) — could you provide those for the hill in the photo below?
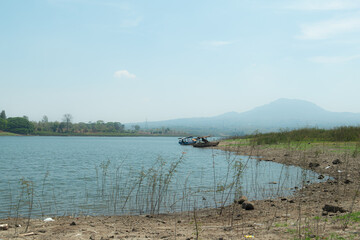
point(280, 114)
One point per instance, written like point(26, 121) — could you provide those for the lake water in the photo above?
point(52, 176)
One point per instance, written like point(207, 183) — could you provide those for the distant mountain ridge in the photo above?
point(280, 114)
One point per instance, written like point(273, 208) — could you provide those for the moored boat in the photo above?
point(203, 142)
point(206, 144)
point(188, 140)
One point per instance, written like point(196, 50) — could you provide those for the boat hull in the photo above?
point(207, 144)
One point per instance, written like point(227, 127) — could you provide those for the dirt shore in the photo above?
point(317, 211)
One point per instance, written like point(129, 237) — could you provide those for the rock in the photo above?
point(4, 227)
point(336, 161)
point(321, 176)
point(347, 181)
point(291, 201)
point(333, 209)
point(48, 220)
point(313, 165)
point(248, 206)
point(283, 199)
point(324, 213)
point(92, 237)
point(272, 182)
point(73, 224)
point(242, 199)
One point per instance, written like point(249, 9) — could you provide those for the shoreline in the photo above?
point(282, 218)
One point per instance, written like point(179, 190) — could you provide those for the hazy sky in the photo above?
point(129, 61)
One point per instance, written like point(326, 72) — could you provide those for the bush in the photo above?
point(19, 125)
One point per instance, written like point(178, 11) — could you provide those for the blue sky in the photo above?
point(129, 61)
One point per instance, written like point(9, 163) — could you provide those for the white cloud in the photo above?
point(217, 43)
point(332, 60)
point(325, 5)
point(327, 29)
point(121, 74)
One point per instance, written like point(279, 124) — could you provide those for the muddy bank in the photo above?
point(304, 214)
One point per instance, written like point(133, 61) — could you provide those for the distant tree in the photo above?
point(67, 120)
point(44, 124)
point(110, 127)
point(54, 126)
point(137, 128)
point(19, 125)
point(61, 127)
point(119, 127)
point(82, 127)
point(100, 126)
point(3, 115)
point(45, 119)
point(3, 123)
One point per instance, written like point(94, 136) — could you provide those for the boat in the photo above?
point(206, 144)
point(203, 142)
point(188, 140)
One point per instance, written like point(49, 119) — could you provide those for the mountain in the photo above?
point(280, 114)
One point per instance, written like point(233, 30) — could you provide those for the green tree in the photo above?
point(45, 123)
point(3, 124)
point(67, 120)
point(54, 126)
point(3, 115)
point(19, 125)
point(119, 127)
point(45, 119)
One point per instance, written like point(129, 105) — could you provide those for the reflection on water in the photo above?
point(48, 176)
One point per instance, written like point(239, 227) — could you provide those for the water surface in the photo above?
point(48, 176)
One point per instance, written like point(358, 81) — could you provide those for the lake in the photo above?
point(52, 176)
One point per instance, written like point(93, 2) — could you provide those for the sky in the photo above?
point(135, 61)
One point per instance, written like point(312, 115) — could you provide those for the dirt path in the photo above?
point(295, 217)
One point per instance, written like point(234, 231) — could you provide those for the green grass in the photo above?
point(339, 140)
point(7, 134)
point(352, 217)
point(338, 134)
point(281, 224)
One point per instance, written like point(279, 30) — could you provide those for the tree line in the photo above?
point(22, 125)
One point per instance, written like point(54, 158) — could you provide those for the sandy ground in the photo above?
point(298, 217)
